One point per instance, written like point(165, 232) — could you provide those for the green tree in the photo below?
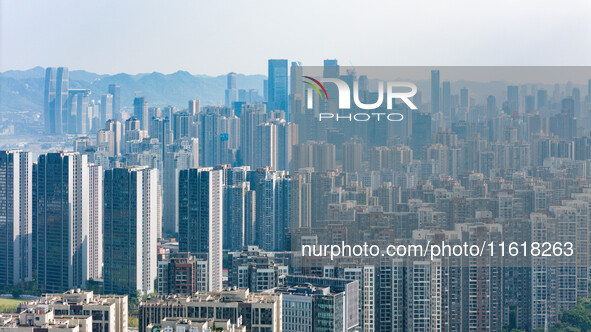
point(577, 318)
point(17, 291)
point(133, 321)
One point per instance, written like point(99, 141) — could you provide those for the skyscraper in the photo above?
point(421, 132)
point(512, 99)
point(79, 119)
point(110, 137)
point(287, 137)
point(193, 107)
point(296, 89)
point(15, 217)
point(181, 125)
point(352, 152)
point(183, 154)
point(94, 248)
point(576, 95)
point(446, 100)
point(201, 218)
point(116, 128)
point(272, 208)
point(252, 116)
point(435, 107)
point(214, 137)
point(115, 91)
point(231, 91)
point(265, 153)
point(140, 111)
point(130, 203)
point(277, 85)
point(542, 99)
point(491, 106)
point(55, 101)
point(239, 216)
point(161, 129)
point(61, 191)
point(106, 110)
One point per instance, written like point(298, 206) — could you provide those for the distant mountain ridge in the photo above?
point(22, 90)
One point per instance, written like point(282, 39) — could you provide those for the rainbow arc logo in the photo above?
point(316, 86)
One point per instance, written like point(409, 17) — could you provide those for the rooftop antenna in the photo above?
point(352, 70)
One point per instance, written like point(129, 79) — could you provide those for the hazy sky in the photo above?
point(216, 37)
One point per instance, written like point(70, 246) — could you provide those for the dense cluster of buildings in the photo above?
point(243, 186)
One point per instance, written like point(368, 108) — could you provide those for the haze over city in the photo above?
point(274, 166)
point(216, 37)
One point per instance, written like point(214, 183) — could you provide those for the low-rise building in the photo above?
point(307, 308)
point(256, 311)
point(196, 325)
point(108, 312)
point(182, 273)
point(43, 318)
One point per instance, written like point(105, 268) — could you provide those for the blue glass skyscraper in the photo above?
point(55, 100)
point(277, 85)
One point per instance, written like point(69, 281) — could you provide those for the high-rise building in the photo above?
point(140, 111)
point(465, 99)
point(513, 99)
point(239, 215)
point(277, 85)
point(287, 137)
point(167, 113)
point(252, 116)
point(183, 154)
point(265, 136)
point(115, 91)
point(201, 218)
point(530, 103)
point(421, 132)
point(215, 137)
point(435, 92)
point(231, 91)
point(557, 282)
point(61, 208)
point(485, 279)
point(352, 152)
point(106, 109)
point(272, 208)
point(94, 248)
point(82, 144)
point(160, 129)
point(79, 121)
point(296, 95)
point(55, 101)
point(194, 106)
point(301, 202)
point(564, 124)
point(110, 137)
point(491, 107)
point(181, 125)
point(319, 155)
point(542, 99)
point(130, 221)
point(15, 217)
point(133, 134)
point(446, 100)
